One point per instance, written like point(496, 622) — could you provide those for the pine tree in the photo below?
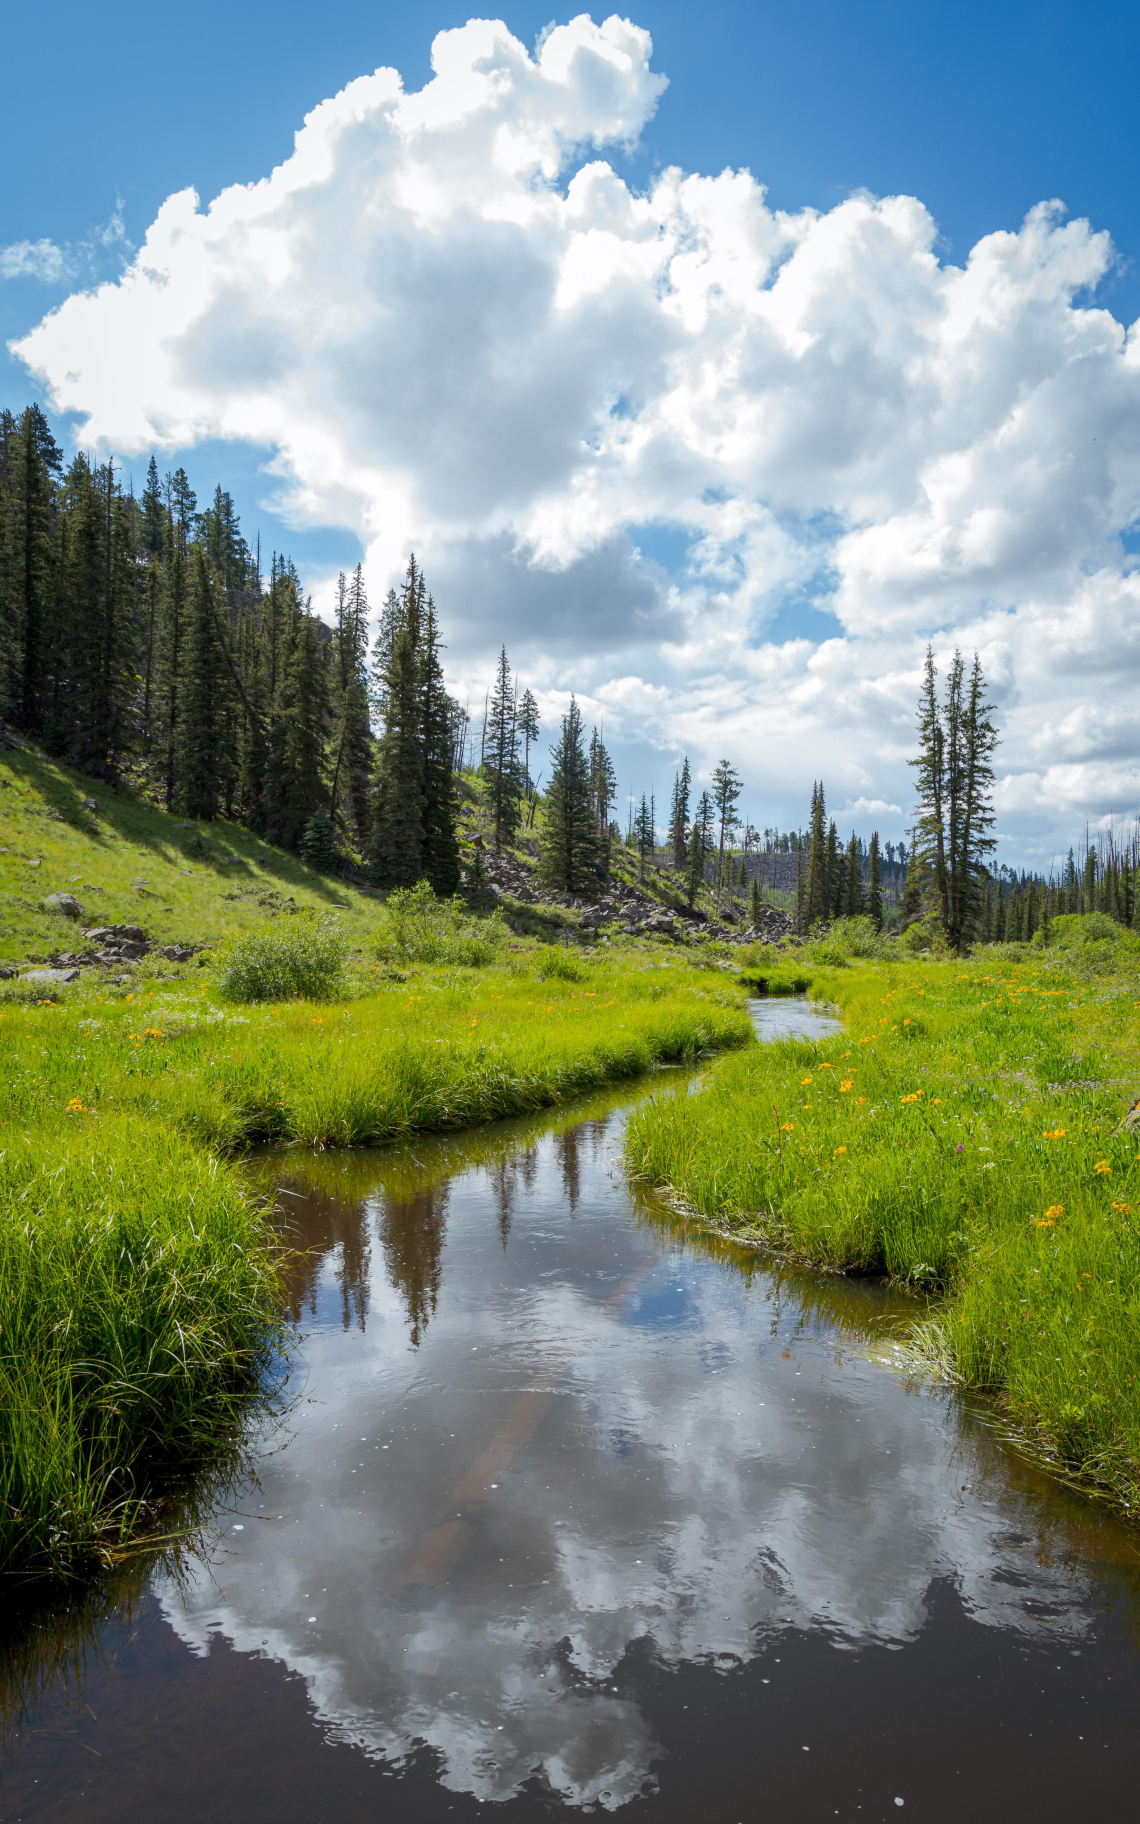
point(853, 902)
point(910, 906)
point(727, 787)
point(528, 733)
point(956, 741)
point(757, 907)
point(352, 734)
point(679, 816)
point(318, 842)
point(700, 847)
point(502, 779)
point(816, 904)
point(833, 872)
point(441, 842)
point(153, 538)
point(305, 713)
point(603, 790)
point(643, 835)
point(207, 771)
point(977, 738)
point(930, 764)
point(169, 665)
point(571, 855)
point(396, 843)
point(102, 644)
point(34, 463)
point(874, 904)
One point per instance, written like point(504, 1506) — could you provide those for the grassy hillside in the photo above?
point(128, 863)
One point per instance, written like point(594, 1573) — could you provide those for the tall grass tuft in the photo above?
point(416, 927)
point(299, 959)
point(138, 1304)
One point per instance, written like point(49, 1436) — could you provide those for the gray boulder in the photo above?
point(110, 934)
point(65, 903)
point(52, 977)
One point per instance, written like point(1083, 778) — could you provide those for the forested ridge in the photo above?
point(141, 642)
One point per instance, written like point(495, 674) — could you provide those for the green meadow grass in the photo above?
point(137, 1307)
point(140, 1282)
point(961, 1136)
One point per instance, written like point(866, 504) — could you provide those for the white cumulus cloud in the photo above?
point(459, 329)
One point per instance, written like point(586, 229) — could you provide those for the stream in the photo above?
point(567, 1510)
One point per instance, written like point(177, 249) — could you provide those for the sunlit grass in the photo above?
point(961, 1135)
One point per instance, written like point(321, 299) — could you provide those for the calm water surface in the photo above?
point(568, 1512)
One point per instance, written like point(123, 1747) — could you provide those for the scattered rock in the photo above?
point(133, 934)
point(6, 973)
point(180, 953)
point(36, 864)
point(89, 804)
point(52, 977)
point(65, 903)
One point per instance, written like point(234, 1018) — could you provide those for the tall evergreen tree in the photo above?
point(816, 902)
point(441, 841)
point(700, 847)
point(956, 741)
point(396, 844)
point(352, 735)
point(153, 538)
point(571, 855)
point(603, 790)
point(679, 816)
point(34, 464)
point(305, 709)
point(853, 901)
point(727, 787)
point(874, 905)
point(643, 835)
point(501, 775)
point(528, 726)
point(207, 768)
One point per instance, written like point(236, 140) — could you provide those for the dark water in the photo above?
point(569, 1512)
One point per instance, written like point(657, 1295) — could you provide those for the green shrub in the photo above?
point(419, 928)
point(925, 934)
point(560, 967)
point(851, 938)
point(300, 961)
point(1073, 930)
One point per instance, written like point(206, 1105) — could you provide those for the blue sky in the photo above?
point(980, 112)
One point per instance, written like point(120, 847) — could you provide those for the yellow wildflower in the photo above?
point(859, 1101)
point(805, 1082)
point(846, 1085)
point(75, 1106)
point(1049, 1220)
point(788, 1128)
point(318, 1019)
point(1053, 1133)
point(1102, 1168)
point(906, 1022)
point(1124, 1208)
point(838, 1150)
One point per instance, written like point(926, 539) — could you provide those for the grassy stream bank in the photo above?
point(963, 1135)
point(139, 1286)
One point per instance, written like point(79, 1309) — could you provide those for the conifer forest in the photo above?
point(145, 642)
